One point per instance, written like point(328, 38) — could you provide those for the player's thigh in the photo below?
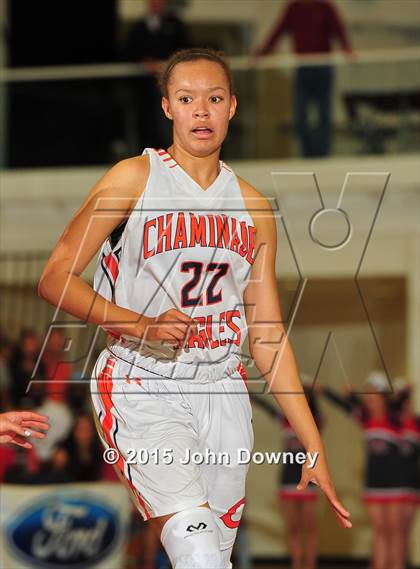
point(228, 433)
point(144, 422)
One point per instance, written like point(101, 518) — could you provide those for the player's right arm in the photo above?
point(108, 204)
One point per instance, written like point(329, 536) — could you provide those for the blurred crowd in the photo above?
point(72, 452)
point(390, 428)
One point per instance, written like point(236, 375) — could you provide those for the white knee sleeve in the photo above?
point(191, 540)
point(226, 540)
point(227, 533)
point(226, 555)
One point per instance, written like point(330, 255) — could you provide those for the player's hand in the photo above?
point(173, 327)
point(320, 476)
point(17, 426)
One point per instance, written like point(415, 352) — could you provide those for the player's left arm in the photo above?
point(271, 349)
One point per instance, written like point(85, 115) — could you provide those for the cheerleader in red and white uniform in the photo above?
point(298, 506)
point(410, 457)
point(384, 493)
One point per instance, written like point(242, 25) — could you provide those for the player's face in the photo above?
point(200, 105)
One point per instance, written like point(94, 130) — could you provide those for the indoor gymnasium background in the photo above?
point(76, 80)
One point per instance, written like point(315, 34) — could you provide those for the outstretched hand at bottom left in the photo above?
point(18, 426)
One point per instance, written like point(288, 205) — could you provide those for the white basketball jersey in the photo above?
point(185, 248)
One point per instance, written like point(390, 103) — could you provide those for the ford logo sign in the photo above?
point(65, 531)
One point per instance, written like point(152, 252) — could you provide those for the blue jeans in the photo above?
point(313, 86)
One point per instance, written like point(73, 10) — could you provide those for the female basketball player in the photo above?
point(188, 268)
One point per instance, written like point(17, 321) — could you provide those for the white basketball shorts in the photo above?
point(175, 442)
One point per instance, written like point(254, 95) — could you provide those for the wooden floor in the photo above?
point(320, 566)
point(284, 564)
point(330, 564)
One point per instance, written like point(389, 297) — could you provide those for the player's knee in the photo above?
point(191, 540)
point(228, 524)
point(227, 536)
point(226, 555)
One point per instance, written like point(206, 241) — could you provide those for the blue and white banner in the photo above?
point(64, 527)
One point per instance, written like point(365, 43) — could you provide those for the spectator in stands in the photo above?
point(8, 458)
point(55, 471)
point(22, 365)
point(84, 450)
point(5, 376)
point(152, 40)
point(312, 25)
point(61, 419)
point(58, 372)
point(21, 467)
point(77, 399)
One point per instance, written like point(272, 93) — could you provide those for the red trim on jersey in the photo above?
point(112, 264)
point(162, 152)
point(168, 158)
point(240, 367)
point(105, 391)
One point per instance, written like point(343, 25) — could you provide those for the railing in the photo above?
point(240, 63)
point(93, 114)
